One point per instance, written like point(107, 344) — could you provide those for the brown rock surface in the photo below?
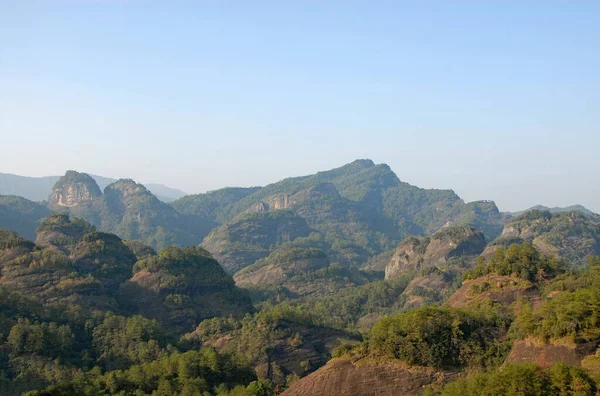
point(545, 355)
point(504, 290)
point(345, 377)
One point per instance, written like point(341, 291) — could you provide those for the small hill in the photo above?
point(181, 287)
point(105, 257)
point(364, 378)
point(62, 232)
point(297, 270)
point(279, 342)
point(504, 290)
point(557, 209)
point(572, 236)
point(239, 243)
point(281, 265)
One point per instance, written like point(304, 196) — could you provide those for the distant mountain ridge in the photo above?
point(350, 215)
point(557, 209)
point(38, 188)
point(352, 212)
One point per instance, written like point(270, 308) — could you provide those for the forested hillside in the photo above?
point(347, 280)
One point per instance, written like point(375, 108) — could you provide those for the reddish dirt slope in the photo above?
point(546, 355)
point(501, 289)
point(343, 377)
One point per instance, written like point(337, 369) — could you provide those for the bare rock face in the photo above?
point(504, 290)
point(286, 201)
point(444, 246)
point(345, 377)
point(408, 256)
point(545, 355)
point(74, 188)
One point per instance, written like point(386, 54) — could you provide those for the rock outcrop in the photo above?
point(74, 189)
point(127, 209)
point(503, 290)
point(546, 354)
point(449, 244)
point(573, 236)
point(345, 377)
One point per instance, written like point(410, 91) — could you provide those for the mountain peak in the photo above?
point(74, 188)
point(126, 187)
point(363, 163)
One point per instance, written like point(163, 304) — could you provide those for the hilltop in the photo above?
point(557, 209)
point(38, 188)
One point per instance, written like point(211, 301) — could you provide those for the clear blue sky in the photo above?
point(496, 100)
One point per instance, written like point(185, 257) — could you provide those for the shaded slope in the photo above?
point(250, 237)
point(181, 287)
point(21, 215)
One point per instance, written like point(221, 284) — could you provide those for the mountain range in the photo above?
point(106, 289)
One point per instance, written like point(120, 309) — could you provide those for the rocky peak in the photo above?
point(125, 188)
point(285, 201)
point(361, 164)
point(73, 189)
point(445, 245)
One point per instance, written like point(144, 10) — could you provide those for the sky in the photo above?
point(496, 100)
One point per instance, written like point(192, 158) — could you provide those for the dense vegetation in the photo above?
point(525, 380)
point(523, 261)
point(67, 320)
point(443, 337)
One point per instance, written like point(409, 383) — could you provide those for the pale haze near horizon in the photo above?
point(495, 101)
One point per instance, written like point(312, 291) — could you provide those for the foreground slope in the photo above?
point(357, 378)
